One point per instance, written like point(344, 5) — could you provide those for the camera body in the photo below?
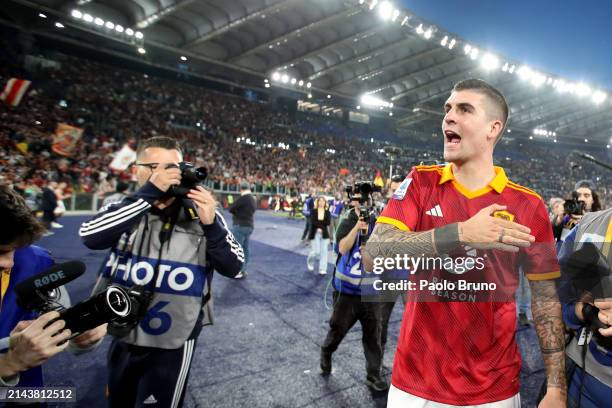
point(140, 300)
point(574, 206)
point(191, 176)
point(367, 211)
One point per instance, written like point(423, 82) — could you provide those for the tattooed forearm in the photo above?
point(548, 321)
point(388, 241)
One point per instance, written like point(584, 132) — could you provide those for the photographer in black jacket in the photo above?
point(242, 211)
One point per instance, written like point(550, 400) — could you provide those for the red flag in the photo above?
point(14, 90)
point(344, 171)
point(65, 139)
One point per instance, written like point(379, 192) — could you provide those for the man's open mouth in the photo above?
point(452, 137)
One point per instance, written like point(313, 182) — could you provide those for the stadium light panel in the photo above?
point(141, 50)
point(76, 14)
point(444, 41)
point(309, 96)
point(489, 62)
point(390, 113)
point(537, 79)
point(525, 73)
point(370, 100)
point(41, 15)
point(428, 33)
point(404, 21)
point(530, 137)
point(505, 67)
point(285, 78)
point(308, 85)
point(607, 146)
point(512, 68)
point(452, 44)
point(293, 81)
point(467, 48)
point(328, 96)
point(300, 83)
point(98, 21)
point(583, 89)
point(139, 35)
point(474, 53)
point(358, 107)
point(110, 25)
point(586, 140)
point(129, 32)
point(396, 14)
point(118, 28)
point(373, 4)
point(184, 58)
point(88, 18)
point(267, 85)
point(419, 29)
point(385, 10)
point(59, 25)
point(276, 76)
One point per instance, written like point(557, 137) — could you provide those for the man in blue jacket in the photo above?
point(26, 340)
point(350, 283)
point(169, 259)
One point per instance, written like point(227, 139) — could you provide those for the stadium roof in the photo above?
point(344, 48)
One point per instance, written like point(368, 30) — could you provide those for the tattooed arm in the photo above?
point(548, 321)
point(482, 231)
point(386, 241)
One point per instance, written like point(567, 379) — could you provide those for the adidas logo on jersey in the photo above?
point(150, 400)
point(435, 211)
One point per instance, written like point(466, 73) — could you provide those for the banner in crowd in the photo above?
point(65, 139)
point(14, 90)
point(378, 181)
point(123, 158)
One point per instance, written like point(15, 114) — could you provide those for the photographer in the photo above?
point(583, 199)
point(167, 258)
point(348, 305)
point(587, 308)
point(27, 340)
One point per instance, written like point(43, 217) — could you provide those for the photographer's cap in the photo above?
point(244, 185)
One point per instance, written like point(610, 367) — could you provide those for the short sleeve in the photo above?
point(540, 262)
point(402, 210)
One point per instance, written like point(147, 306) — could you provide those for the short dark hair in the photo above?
point(163, 142)
point(494, 96)
point(20, 227)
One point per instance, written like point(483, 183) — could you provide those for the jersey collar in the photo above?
point(498, 183)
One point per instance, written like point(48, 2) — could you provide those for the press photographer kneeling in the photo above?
point(349, 281)
point(27, 340)
point(586, 295)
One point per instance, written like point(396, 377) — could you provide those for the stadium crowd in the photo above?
point(234, 138)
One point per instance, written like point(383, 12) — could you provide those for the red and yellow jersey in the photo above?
point(458, 347)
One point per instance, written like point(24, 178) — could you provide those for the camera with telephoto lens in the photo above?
point(574, 206)
point(367, 211)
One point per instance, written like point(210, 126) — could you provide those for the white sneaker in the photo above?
point(48, 233)
point(310, 263)
point(56, 225)
point(322, 272)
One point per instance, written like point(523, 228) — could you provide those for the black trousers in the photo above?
point(148, 377)
point(306, 228)
point(347, 311)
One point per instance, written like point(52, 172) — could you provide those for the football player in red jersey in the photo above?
point(464, 353)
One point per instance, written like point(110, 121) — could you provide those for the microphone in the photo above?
point(35, 292)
